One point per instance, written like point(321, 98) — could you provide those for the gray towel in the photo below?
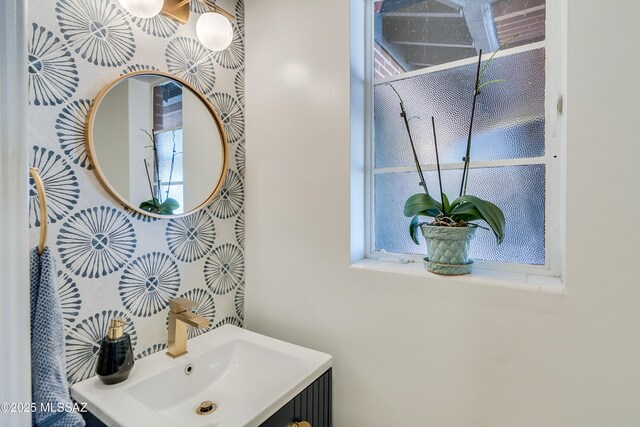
point(49, 387)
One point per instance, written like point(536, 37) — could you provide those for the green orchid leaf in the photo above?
point(465, 209)
point(489, 213)
point(466, 218)
point(489, 82)
point(151, 205)
point(455, 203)
point(413, 229)
point(467, 215)
point(445, 202)
point(422, 204)
point(486, 64)
point(171, 203)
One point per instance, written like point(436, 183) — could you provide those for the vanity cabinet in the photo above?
point(313, 405)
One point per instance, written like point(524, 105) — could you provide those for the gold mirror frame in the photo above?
point(96, 165)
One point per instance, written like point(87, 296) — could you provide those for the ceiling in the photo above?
point(424, 33)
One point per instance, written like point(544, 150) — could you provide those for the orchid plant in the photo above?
point(465, 209)
point(156, 204)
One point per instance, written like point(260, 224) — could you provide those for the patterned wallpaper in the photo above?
point(111, 261)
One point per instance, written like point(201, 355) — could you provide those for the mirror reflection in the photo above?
point(156, 144)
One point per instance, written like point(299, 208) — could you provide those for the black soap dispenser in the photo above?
point(115, 359)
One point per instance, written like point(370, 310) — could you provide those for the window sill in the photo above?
point(520, 281)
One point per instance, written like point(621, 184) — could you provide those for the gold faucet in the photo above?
point(179, 321)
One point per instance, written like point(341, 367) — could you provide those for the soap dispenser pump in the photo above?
point(115, 359)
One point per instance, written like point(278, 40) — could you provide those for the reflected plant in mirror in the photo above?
point(156, 204)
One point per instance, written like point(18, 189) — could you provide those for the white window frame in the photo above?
point(554, 144)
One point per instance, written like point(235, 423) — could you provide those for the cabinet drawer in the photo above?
point(313, 404)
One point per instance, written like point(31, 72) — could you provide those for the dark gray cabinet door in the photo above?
point(313, 404)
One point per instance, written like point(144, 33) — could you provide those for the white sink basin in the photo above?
point(247, 375)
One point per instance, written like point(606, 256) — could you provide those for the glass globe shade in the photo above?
point(142, 8)
point(214, 31)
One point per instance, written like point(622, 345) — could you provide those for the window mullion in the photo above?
point(459, 63)
point(473, 165)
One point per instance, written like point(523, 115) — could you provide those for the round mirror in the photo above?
point(156, 144)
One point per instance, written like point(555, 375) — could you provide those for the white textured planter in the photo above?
point(448, 249)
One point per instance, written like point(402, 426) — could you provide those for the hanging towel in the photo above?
point(49, 387)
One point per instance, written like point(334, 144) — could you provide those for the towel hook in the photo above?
point(42, 200)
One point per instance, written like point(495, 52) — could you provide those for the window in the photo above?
point(167, 129)
point(427, 49)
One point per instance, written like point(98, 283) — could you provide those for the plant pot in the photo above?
point(448, 249)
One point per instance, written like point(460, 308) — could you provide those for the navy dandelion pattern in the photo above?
point(201, 6)
point(158, 26)
point(191, 237)
point(189, 60)
point(83, 343)
point(97, 30)
point(240, 15)
point(95, 242)
point(70, 301)
point(137, 67)
point(139, 216)
point(70, 129)
point(151, 350)
point(231, 116)
point(240, 158)
point(239, 229)
point(233, 56)
point(60, 186)
point(239, 301)
point(53, 76)
point(205, 307)
point(230, 198)
point(239, 84)
point(149, 283)
point(230, 320)
point(71, 45)
point(224, 269)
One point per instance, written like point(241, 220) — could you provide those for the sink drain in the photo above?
point(206, 408)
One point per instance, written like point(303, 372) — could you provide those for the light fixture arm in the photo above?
point(178, 10)
point(221, 11)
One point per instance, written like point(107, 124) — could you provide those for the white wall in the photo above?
point(411, 351)
point(202, 156)
point(139, 116)
point(111, 137)
point(15, 369)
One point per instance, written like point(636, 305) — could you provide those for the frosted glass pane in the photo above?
point(518, 190)
point(509, 119)
point(170, 162)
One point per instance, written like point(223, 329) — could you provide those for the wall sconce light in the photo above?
point(213, 28)
point(214, 31)
point(142, 8)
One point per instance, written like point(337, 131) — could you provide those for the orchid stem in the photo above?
point(403, 114)
point(435, 142)
point(465, 171)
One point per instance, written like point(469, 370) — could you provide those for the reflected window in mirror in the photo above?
point(167, 119)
